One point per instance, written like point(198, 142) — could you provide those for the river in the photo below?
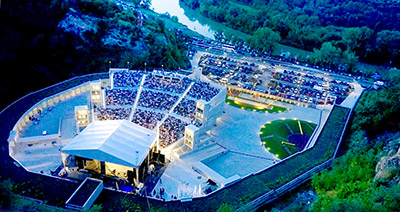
point(174, 9)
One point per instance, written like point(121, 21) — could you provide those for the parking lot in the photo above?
point(301, 85)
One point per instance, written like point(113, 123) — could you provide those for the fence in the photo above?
point(50, 186)
point(10, 115)
point(275, 193)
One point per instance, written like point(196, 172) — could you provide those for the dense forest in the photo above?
point(44, 42)
point(339, 32)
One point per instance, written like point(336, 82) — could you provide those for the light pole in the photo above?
point(145, 64)
point(327, 93)
point(109, 64)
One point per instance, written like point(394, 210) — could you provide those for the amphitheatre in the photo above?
point(165, 136)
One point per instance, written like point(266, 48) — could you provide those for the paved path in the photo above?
point(238, 131)
point(352, 99)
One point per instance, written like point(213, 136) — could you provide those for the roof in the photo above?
point(192, 127)
point(116, 141)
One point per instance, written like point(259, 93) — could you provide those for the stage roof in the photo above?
point(116, 141)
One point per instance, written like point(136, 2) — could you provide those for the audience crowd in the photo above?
point(120, 97)
point(186, 108)
point(169, 84)
point(157, 100)
point(147, 118)
point(171, 130)
point(158, 93)
point(127, 78)
point(203, 90)
point(111, 113)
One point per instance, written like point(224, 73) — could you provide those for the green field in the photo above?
point(275, 136)
point(244, 106)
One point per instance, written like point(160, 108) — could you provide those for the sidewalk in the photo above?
point(352, 99)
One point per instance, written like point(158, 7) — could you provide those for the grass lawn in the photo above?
point(244, 106)
point(275, 135)
point(281, 48)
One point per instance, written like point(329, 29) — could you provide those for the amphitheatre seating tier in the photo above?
point(147, 118)
point(203, 90)
point(120, 96)
point(127, 78)
point(159, 92)
point(157, 100)
point(111, 113)
point(169, 84)
point(186, 108)
point(171, 130)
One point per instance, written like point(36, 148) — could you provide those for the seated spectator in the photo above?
point(186, 108)
point(171, 130)
point(111, 113)
point(147, 118)
point(169, 84)
point(127, 78)
point(157, 100)
point(202, 90)
point(120, 97)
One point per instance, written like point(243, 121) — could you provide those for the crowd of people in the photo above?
point(157, 100)
point(169, 84)
point(186, 108)
point(120, 96)
point(203, 90)
point(171, 130)
point(111, 113)
point(127, 78)
point(160, 91)
point(147, 118)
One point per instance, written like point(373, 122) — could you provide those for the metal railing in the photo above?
point(275, 193)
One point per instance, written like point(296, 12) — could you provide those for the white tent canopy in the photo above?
point(115, 141)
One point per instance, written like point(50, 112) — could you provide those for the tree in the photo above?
point(225, 207)
point(264, 39)
point(356, 37)
point(6, 194)
point(350, 59)
point(393, 77)
point(328, 54)
point(146, 4)
point(95, 208)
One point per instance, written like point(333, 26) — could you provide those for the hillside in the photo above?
point(366, 177)
point(49, 41)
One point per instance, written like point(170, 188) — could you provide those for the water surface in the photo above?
point(174, 9)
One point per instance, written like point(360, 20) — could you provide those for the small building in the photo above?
point(116, 148)
point(82, 115)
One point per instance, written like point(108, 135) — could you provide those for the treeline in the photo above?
point(36, 52)
point(358, 29)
